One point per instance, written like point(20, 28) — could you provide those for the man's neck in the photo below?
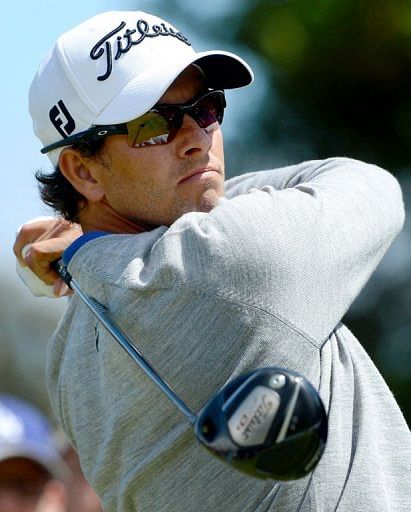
point(101, 217)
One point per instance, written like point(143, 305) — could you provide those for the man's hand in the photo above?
point(39, 243)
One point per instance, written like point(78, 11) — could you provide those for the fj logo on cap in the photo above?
point(125, 42)
point(61, 119)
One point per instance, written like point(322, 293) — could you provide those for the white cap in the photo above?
point(113, 68)
point(25, 432)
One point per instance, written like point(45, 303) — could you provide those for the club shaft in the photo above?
point(100, 312)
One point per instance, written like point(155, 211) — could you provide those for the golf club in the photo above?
point(269, 423)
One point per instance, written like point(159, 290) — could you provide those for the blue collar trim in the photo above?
point(83, 239)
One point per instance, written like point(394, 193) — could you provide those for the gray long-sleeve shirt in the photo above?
point(263, 279)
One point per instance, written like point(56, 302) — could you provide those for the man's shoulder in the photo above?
point(110, 258)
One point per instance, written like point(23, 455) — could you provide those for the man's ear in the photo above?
point(80, 172)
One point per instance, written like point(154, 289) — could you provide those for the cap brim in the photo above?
point(49, 459)
point(222, 70)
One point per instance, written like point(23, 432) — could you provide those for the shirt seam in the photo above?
point(278, 317)
point(208, 293)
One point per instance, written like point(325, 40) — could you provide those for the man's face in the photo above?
point(155, 185)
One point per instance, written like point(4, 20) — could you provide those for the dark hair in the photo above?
point(56, 191)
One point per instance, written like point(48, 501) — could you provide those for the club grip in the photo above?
point(62, 271)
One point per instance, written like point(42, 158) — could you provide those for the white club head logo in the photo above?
point(252, 420)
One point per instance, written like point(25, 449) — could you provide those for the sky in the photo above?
point(28, 29)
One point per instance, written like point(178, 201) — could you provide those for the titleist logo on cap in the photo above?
point(131, 37)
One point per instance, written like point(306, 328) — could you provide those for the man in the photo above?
point(210, 279)
point(33, 476)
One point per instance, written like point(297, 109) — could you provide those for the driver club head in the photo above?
point(269, 423)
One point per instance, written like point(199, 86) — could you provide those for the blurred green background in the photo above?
point(333, 78)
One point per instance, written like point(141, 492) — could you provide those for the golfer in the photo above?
point(210, 278)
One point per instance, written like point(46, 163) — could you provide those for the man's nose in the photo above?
point(192, 139)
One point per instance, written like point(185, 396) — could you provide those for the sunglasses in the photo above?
point(158, 126)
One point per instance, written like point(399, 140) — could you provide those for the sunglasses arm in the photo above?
point(88, 136)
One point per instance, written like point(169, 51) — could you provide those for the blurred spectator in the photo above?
point(33, 476)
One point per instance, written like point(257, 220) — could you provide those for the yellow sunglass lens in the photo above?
point(146, 127)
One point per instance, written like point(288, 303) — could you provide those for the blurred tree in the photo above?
point(343, 72)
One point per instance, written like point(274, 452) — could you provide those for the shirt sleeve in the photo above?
point(284, 177)
point(299, 242)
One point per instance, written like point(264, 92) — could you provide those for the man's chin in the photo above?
point(204, 204)
point(209, 200)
